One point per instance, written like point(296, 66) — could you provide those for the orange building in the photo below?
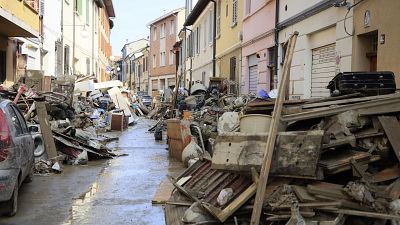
point(105, 49)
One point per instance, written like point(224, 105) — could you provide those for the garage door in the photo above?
point(253, 79)
point(323, 70)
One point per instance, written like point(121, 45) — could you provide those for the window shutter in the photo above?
point(41, 9)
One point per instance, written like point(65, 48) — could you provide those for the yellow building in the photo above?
point(376, 35)
point(18, 18)
point(229, 37)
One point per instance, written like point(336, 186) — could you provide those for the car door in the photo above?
point(16, 135)
point(27, 145)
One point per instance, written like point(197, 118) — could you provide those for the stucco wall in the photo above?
point(258, 36)
point(202, 62)
point(384, 15)
point(22, 11)
point(324, 28)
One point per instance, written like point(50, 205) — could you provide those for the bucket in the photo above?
point(255, 123)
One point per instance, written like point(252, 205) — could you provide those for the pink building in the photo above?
point(258, 46)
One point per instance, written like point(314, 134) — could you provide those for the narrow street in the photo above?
point(118, 191)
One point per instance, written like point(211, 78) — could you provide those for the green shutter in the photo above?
point(87, 12)
point(79, 6)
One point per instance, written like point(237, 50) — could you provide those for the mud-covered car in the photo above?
point(16, 155)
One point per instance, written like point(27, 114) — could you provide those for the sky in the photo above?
point(132, 17)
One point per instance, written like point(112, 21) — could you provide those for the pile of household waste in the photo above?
point(335, 161)
point(69, 124)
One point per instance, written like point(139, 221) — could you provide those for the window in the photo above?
point(205, 36)
point(154, 33)
point(96, 18)
point(78, 7)
point(232, 70)
point(172, 27)
point(218, 19)
point(162, 59)
point(66, 60)
point(87, 66)
point(226, 10)
point(171, 57)
point(234, 12)
point(211, 26)
point(21, 120)
point(154, 61)
point(15, 122)
point(87, 12)
point(198, 40)
point(203, 77)
point(162, 31)
point(248, 7)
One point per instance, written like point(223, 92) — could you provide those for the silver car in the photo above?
point(16, 155)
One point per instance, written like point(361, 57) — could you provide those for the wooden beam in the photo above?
point(330, 111)
point(391, 127)
point(47, 133)
point(276, 116)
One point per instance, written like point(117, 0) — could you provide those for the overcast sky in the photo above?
point(132, 17)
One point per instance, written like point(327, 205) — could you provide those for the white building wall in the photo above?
point(51, 34)
point(324, 28)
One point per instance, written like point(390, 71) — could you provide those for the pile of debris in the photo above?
point(335, 161)
point(69, 124)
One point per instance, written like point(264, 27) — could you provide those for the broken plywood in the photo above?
point(392, 129)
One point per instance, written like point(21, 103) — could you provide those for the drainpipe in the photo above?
point(62, 39)
point(214, 37)
point(276, 44)
point(73, 37)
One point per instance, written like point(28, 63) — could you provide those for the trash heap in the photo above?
point(69, 124)
point(335, 161)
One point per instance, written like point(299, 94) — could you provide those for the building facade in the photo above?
point(104, 44)
point(375, 39)
point(163, 36)
point(258, 46)
point(200, 43)
point(86, 30)
point(17, 19)
point(323, 47)
point(52, 53)
point(141, 70)
point(129, 51)
point(229, 37)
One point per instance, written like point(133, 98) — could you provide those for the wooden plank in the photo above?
point(303, 195)
point(391, 127)
point(330, 111)
point(347, 101)
point(365, 214)
point(259, 200)
point(163, 193)
point(386, 175)
point(47, 133)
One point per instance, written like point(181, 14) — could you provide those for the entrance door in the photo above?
point(253, 79)
point(323, 70)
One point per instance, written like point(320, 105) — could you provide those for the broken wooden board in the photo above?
point(239, 151)
point(386, 175)
point(392, 129)
point(48, 139)
point(341, 160)
point(297, 153)
point(319, 113)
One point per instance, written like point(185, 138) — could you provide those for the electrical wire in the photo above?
point(345, 18)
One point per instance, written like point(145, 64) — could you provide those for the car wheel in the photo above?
point(12, 204)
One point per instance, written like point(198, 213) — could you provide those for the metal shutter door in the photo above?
point(253, 79)
point(323, 70)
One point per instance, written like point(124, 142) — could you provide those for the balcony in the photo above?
point(19, 18)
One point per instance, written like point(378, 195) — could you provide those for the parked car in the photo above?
point(146, 100)
point(16, 155)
